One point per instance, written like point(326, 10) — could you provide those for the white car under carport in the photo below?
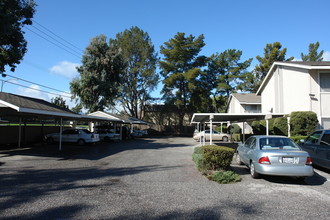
point(79, 136)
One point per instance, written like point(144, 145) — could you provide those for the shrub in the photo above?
point(281, 126)
point(259, 127)
point(216, 157)
point(297, 139)
point(235, 129)
point(224, 129)
point(225, 177)
point(236, 137)
point(198, 158)
point(303, 123)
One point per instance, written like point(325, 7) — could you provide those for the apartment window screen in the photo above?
point(325, 82)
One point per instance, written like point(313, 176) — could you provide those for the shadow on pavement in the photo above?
point(92, 151)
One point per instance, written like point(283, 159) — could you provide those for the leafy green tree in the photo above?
point(272, 53)
point(100, 75)
point(313, 55)
point(59, 101)
point(180, 68)
point(140, 75)
point(226, 73)
point(14, 14)
point(78, 108)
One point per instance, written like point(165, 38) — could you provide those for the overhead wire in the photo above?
point(53, 43)
point(78, 49)
point(36, 89)
point(57, 41)
point(47, 87)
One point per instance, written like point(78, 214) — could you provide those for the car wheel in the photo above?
point(81, 142)
point(238, 159)
point(225, 138)
point(50, 140)
point(253, 172)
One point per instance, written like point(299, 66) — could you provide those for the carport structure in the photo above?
point(215, 118)
point(22, 107)
point(119, 119)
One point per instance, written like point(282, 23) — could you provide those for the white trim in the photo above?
point(302, 66)
point(7, 104)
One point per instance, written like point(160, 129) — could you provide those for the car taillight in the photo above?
point(308, 161)
point(264, 160)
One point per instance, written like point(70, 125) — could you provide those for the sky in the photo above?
point(246, 25)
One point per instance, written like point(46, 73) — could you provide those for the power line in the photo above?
point(47, 87)
point(81, 51)
point(36, 89)
point(53, 43)
point(71, 49)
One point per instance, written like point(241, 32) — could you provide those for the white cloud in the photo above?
point(66, 69)
point(326, 56)
point(34, 92)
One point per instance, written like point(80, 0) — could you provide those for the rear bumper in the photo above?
point(94, 140)
point(305, 170)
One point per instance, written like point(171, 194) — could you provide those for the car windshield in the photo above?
point(271, 143)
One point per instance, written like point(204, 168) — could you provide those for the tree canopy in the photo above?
point(227, 73)
point(180, 68)
point(272, 52)
point(313, 55)
point(140, 74)
point(59, 101)
point(14, 14)
point(100, 74)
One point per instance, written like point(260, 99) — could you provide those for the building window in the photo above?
point(252, 108)
point(325, 82)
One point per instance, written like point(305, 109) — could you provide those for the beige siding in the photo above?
point(235, 106)
point(296, 90)
point(268, 96)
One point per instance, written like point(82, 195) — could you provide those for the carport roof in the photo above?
point(237, 117)
point(17, 105)
point(112, 117)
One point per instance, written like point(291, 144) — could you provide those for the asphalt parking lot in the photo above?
point(151, 178)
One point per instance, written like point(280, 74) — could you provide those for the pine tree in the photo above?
point(313, 55)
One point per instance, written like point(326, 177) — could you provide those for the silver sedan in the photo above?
point(274, 155)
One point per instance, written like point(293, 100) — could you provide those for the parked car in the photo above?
point(79, 136)
point(107, 135)
point(274, 155)
point(139, 133)
point(318, 146)
point(216, 136)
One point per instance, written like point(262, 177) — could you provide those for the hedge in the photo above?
point(216, 157)
point(303, 123)
point(280, 126)
point(297, 139)
point(198, 157)
point(235, 129)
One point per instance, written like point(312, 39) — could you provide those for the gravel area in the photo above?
point(150, 178)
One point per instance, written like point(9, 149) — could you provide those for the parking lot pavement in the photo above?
point(150, 178)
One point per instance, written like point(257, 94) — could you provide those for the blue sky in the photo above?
point(236, 24)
